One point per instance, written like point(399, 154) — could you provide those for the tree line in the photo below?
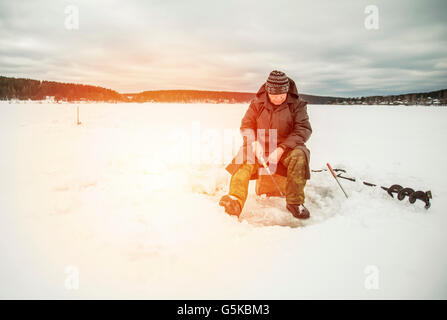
point(25, 89)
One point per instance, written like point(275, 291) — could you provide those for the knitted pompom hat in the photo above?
point(277, 82)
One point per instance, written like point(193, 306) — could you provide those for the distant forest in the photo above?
point(190, 96)
point(28, 89)
point(24, 89)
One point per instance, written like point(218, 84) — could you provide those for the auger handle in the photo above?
point(336, 179)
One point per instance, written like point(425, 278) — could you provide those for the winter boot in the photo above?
point(231, 204)
point(299, 211)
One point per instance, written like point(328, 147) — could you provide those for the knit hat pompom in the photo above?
point(277, 83)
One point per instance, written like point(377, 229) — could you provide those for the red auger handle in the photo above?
point(332, 171)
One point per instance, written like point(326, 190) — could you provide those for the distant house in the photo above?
point(398, 102)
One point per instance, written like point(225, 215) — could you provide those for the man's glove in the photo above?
point(275, 155)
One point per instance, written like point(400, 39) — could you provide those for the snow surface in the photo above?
point(123, 199)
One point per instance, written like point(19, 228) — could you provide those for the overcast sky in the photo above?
point(131, 45)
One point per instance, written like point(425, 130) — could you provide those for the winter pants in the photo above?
point(294, 161)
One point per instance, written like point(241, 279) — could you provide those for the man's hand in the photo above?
point(258, 149)
point(275, 155)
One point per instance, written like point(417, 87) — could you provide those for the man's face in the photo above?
point(277, 99)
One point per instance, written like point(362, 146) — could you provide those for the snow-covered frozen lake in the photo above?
point(125, 206)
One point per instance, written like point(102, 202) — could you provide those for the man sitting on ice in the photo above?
point(276, 107)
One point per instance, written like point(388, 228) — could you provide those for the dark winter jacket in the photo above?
point(290, 119)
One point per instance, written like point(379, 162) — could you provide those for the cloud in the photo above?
point(133, 45)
